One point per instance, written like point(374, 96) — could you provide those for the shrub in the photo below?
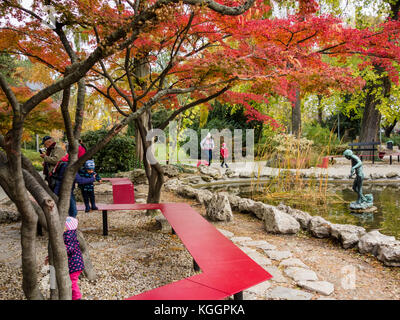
point(322, 137)
point(117, 155)
point(35, 158)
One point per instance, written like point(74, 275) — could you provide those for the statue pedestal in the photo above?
point(366, 210)
point(364, 206)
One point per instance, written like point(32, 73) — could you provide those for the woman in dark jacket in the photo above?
point(78, 179)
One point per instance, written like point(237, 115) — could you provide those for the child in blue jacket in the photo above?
point(78, 179)
point(87, 189)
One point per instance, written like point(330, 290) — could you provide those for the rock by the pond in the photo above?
point(392, 174)
point(138, 176)
point(258, 208)
point(377, 175)
point(206, 178)
point(231, 174)
point(323, 287)
point(218, 208)
point(389, 254)
point(245, 205)
point(277, 221)
point(319, 227)
point(172, 184)
point(347, 234)
point(282, 293)
point(278, 255)
point(248, 174)
point(300, 274)
point(214, 173)
point(292, 262)
point(170, 170)
point(187, 191)
point(370, 242)
point(203, 196)
point(302, 217)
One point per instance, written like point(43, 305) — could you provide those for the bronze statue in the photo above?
point(363, 201)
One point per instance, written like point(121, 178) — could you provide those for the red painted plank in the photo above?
point(226, 270)
point(123, 192)
point(181, 290)
point(122, 206)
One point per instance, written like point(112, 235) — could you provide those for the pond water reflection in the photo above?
point(386, 198)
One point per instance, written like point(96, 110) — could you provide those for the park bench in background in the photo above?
point(394, 155)
point(364, 146)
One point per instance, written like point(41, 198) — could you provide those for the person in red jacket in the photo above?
point(224, 155)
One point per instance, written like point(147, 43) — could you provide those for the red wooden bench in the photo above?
point(226, 270)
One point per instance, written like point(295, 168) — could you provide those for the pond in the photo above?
point(386, 218)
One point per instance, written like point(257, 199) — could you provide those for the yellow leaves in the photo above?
point(203, 115)
point(40, 73)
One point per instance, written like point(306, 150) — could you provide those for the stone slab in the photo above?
point(300, 274)
point(260, 289)
point(260, 259)
point(241, 239)
point(226, 233)
point(282, 293)
point(278, 255)
point(276, 274)
point(323, 287)
point(292, 262)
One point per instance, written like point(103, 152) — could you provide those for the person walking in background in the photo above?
point(53, 155)
point(224, 155)
point(88, 188)
point(207, 144)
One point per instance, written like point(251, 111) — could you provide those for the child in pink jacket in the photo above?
point(224, 154)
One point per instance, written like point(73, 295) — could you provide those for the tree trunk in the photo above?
point(141, 71)
point(389, 129)
point(371, 116)
point(370, 123)
point(296, 115)
point(320, 115)
point(154, 171)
